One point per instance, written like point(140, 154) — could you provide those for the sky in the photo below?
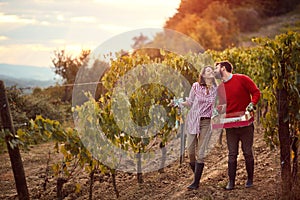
point(31, 30)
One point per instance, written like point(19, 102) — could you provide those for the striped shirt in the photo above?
point(201, 103)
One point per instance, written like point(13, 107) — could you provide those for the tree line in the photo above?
point(217, 24)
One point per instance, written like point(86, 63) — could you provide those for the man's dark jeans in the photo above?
point(246, 136)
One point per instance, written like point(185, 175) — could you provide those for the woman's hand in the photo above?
point(184, 104)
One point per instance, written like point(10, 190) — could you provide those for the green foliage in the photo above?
point(139, 102)
point(25, 107)
point(8, 138)
point(55, 93)
point(133, 114)
point(39, 105)
point(17, 102)
point(67, 142)
point(284, 52)
point(66, 66)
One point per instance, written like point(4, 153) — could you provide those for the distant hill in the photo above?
point(27, 76)
point(25, 83)
point(273, 26)
point(27, 72)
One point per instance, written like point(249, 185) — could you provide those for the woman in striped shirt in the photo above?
point(201, 101)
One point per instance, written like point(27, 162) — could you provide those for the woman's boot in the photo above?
point(192, 165)
point(197, 176)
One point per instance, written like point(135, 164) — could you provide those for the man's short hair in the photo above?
point(226, 64)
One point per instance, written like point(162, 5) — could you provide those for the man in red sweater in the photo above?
point(237, 93)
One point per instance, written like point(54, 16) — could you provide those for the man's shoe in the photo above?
point(230, 185)
point(249, 183)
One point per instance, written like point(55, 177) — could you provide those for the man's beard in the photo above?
point(218, 74)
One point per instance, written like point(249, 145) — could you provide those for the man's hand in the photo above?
point(251, 107)
point(221, 108)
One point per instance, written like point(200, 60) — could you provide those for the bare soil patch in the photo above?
point(171, 184)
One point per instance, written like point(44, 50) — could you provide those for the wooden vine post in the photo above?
point(14, 152)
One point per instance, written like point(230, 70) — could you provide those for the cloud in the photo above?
point(84, 19)
point(14, 19)
point(137, 3)
point(37, 27)
point(39, 55)
point(58, 41)
point(114, 28)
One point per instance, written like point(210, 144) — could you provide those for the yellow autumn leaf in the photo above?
point(77, 188)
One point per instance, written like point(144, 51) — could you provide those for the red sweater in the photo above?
point(237, 93)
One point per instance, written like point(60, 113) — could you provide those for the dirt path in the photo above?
point(168, 185)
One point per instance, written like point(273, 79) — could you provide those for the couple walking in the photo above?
point(236, 94)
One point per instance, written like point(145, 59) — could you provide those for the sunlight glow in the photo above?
point(3, 37)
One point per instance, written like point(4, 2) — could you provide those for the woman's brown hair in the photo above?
point(201, 80)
